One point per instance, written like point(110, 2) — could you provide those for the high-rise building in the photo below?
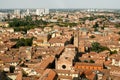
point(42, 11)
point(46, 11)
point(17, 12)
point(27, 12)
point(39, 12)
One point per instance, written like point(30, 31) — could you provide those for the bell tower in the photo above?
point(76, 39)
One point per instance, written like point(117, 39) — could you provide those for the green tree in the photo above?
point(96, 25)
point(97, 47)
point(92, 36)
point(85, 61)
point(95, 29)
point(117, 25)
point(113, 52)
point(92, 61)
point(23, 42)
point(26, 23)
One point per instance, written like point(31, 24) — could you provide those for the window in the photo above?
point(63, 66)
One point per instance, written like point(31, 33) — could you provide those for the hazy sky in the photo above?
point(60, 4)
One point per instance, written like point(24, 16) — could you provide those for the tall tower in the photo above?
point(28, 12)
point(76, 38)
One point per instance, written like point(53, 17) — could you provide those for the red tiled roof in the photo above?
point(48, 75)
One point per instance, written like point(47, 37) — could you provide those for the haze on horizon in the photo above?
point(111, 4)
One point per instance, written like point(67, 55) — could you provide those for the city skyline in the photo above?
point(59, 40)
point(60, 4)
